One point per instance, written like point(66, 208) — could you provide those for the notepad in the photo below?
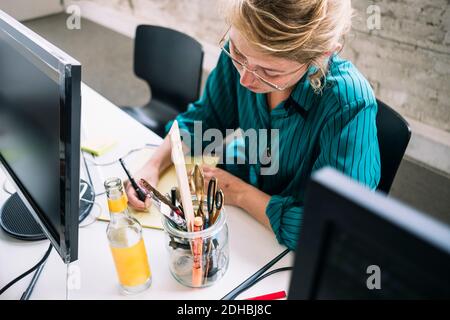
point(168, 179)
point(98, 146)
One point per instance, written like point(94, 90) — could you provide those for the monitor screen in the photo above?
point(40, 130)
point(344, 272)
point(29, 121)
point(356, 243)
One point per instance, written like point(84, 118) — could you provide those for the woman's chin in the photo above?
point(256, 89)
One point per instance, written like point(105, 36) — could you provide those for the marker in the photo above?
point(173, 196)
point(270, 296)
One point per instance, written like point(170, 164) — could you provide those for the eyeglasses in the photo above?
point(241, 63)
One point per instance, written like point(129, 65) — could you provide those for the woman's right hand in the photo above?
point(159, 161)
point(151, 175)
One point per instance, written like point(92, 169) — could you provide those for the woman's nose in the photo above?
point(247, 77)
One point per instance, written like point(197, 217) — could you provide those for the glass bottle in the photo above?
point(126, 241)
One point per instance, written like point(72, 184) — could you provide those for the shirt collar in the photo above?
point(303, 96)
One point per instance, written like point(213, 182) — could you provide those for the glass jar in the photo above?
point(214, 253)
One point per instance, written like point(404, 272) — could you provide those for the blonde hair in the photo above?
point(298, 30)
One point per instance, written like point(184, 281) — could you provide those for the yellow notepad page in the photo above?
point(98, 146)
point(167, 180)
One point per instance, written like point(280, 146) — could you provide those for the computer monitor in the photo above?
point(359, 244)
point(40, 110)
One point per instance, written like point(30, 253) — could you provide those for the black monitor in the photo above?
point(360, 244)
point(40, 110)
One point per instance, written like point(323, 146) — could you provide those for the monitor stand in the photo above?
point(17, 221)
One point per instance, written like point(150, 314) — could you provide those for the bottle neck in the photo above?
point(118, 205)
point(118, 215)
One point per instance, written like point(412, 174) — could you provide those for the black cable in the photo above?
point(88, 173)
point(259, 279)
point(27, 293)
point(106, 164)
point(90, 183)
point(253, 278)
point(23, 275)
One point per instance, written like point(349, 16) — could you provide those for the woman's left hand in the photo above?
point(231, 185)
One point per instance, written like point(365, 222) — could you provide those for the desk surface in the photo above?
point(93, 275)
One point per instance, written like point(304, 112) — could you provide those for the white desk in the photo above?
point(93, 275)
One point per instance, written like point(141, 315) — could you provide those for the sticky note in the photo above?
point(98, 146)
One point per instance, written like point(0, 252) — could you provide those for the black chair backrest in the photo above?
point(393, 138)
point(170, 62)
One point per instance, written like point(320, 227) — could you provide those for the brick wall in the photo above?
point(407, 60)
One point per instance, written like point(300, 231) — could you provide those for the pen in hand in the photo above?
point(140, 193)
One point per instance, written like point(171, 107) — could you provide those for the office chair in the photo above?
point(171, 64)
point(393, 138)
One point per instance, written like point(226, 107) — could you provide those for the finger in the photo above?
point(147, 203)
point(134, 201)
point(207, 168)
point(210, 172)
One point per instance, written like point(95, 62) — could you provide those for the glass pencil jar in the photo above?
point(198, 259)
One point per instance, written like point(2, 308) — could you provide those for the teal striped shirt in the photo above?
point(334, 128)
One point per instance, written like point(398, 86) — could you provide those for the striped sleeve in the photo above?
point(285, 215)
point(348, 142)
point(217, 107)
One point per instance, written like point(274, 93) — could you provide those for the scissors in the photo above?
point(214, 200)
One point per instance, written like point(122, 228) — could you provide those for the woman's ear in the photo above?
point(336, 48)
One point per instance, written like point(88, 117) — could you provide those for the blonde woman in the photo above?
point(280, 69)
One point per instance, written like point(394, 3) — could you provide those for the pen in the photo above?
point(141, 194)
point(270, 296)
point(173, 196)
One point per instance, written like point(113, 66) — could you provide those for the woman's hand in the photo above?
point(231, 186)
point(240, 194)
point(151, 175)
point(159, 161)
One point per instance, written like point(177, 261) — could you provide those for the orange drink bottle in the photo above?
point(126, 242)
